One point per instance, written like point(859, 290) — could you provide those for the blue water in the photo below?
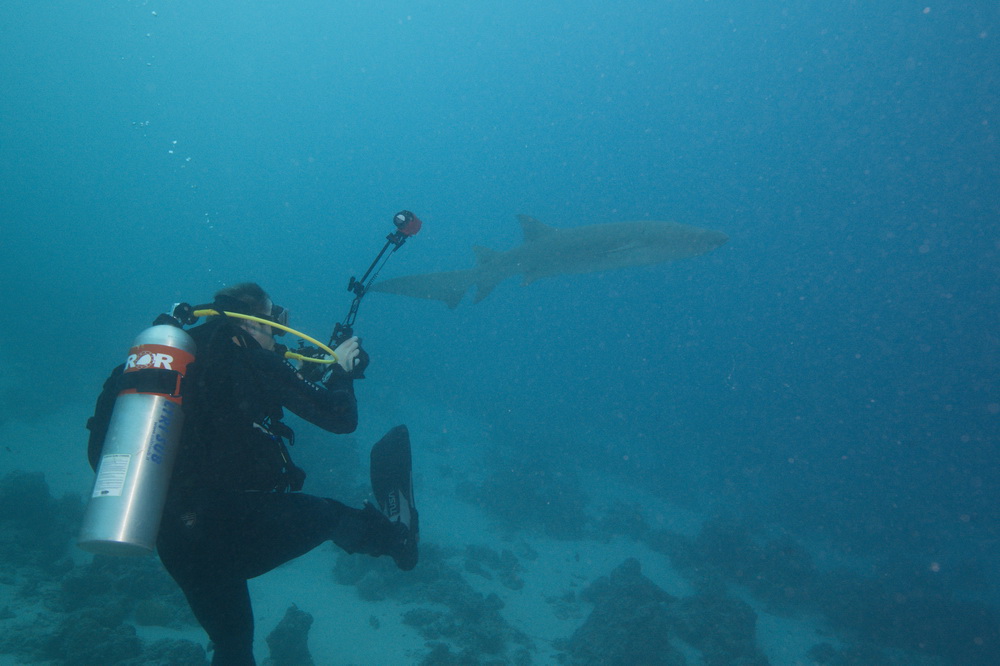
point(832, 368)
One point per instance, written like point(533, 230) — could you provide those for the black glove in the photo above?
point(360, 364)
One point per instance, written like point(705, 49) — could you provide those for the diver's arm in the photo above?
point(331, 406)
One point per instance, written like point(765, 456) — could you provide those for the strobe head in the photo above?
point(407, 223)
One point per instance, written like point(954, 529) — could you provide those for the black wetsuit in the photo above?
point(229, 516)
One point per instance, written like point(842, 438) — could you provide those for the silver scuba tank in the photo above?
point(123, 514)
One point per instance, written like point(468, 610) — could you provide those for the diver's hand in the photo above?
point(347, 354)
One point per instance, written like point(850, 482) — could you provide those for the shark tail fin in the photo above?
point(449, 286)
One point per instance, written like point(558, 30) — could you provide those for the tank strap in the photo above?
point(152, 380)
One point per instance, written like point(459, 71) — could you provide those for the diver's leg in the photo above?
point(370, 532)
point(223, 609)
point(273, 528)
point(278, 527)
point(199, 560)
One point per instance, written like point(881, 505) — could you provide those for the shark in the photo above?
point(549, 251)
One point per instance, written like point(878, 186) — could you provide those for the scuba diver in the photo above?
point(232, 510)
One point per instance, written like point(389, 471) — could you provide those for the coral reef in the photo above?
point(471, 620)
point(166, 652)
point(913, 612)
point(484, 561)
point(35, 528)
point(633, 620)
point(897, 609)
point(85, 617)
point(79, 614)
point(777, 571)
point(136, 586)
point(441, 655)
point(87, 637)
point(630, 623)
point(721, 626)
point(824, 654)
point(79, 638)
point(289, 641)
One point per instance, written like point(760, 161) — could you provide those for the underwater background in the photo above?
point(829, 374)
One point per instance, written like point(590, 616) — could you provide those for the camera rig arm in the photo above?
point(407, 225)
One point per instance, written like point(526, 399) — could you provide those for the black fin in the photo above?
point(392, 476)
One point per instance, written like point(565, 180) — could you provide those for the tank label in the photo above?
point(147, 359)
point(159, 358)
point(111, 475)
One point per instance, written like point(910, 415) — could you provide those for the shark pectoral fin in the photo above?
point(533, 229)
point(453, 298)
point(484, 255)
point(485, 285)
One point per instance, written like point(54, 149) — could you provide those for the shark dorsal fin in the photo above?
point(533, 229)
